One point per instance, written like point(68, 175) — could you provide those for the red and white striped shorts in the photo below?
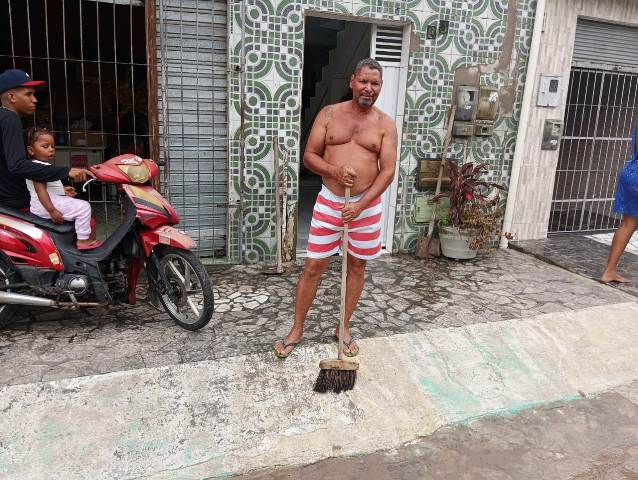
point(364, 232)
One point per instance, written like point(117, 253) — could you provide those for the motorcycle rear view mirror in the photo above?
point(87, 183)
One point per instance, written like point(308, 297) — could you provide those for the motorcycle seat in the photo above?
point(63, 228)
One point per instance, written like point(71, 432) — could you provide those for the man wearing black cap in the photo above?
point(17, 92)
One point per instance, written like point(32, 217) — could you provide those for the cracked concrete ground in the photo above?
point(402, 295)
point(590, 439)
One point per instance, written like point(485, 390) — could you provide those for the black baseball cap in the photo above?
point(17, 78)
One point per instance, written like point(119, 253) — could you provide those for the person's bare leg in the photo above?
point(623, 234)
point(306, 291)
point(354, 287)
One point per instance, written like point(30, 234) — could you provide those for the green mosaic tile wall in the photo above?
point(272, 32)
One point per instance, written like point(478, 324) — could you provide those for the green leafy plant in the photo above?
point(473, 206)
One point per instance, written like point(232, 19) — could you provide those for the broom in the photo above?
point(338, 374)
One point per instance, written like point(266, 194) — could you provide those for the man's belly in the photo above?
point(363, 162)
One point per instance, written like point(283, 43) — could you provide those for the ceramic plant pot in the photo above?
point(455, 243)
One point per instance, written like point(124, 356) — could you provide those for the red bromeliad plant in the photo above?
point(468, 191)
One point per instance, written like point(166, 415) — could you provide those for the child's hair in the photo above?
point(33, 133)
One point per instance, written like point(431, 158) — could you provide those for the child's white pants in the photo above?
point(73, 210)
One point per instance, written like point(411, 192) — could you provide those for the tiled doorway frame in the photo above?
point(393, 189)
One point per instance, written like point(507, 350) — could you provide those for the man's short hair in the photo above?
point(371, 63)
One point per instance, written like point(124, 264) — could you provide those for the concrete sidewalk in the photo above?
point(454, 345)
point(216, 418)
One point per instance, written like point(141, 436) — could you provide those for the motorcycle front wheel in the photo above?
point(192, 304)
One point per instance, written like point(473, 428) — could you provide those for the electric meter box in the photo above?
point(422, 208)
point(549, 91)
point(466, 101)
point(463, 129)
point(428, 173)
point(487, 108)
point(552, 132)
point(483, 128)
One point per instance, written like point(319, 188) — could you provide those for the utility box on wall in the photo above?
point(483, 128)
point(476, 111)
point(552, 132)
point(466, 100)
point(429, 173)
point(549, 91)
point(463, 129)
point(423, 207)
point(487, 104)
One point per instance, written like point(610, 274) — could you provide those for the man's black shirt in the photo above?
point(15, 167)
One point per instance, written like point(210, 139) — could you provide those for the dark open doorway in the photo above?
point(331, 50)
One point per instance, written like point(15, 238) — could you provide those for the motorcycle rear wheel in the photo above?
point(7, 276)
point(194, 302)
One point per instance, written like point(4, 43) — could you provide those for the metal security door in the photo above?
point(193, 119)
point(601, 106)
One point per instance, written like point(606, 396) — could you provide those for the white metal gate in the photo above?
point(601, 105)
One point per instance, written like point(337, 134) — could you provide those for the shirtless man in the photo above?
point(351, 144)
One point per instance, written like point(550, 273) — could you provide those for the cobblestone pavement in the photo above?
point(583, 255)
point(402, 295)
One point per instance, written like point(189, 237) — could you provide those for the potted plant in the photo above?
point(474, 214)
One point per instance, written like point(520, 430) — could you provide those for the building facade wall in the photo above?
point(272, 35)
point(538, 169)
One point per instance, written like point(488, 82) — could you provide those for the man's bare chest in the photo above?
point(364, 134)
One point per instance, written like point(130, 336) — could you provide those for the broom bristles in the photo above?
point(335, 380)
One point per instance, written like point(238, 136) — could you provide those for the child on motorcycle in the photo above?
point(53, 200)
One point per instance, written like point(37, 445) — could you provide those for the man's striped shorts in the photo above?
point(326, 228)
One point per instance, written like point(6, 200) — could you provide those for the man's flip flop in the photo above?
point(284, 346)
point(349, 353)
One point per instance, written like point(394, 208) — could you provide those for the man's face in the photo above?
point(366, 86)
point(23, 100)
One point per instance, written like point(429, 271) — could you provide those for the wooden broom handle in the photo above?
point(344, 277)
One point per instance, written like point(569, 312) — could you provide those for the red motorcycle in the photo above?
point(41, 266)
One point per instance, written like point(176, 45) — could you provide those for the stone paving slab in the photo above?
point(403, 294)
point(582, 255)
point(217, 418)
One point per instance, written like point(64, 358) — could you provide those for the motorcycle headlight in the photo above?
point(137, 173)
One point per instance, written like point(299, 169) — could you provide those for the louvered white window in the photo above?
point(386, 43)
